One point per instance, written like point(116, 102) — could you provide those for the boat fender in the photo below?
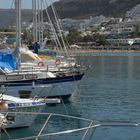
point(41, 63)
point(57, 62)
point(3, 106)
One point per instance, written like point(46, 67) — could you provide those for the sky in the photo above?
point(7, 4)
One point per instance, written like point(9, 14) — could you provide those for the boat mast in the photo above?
point(34, 8)
point(18, 31)
point(42, 29)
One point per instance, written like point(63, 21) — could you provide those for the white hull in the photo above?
point(47, 90)
point(22, 120)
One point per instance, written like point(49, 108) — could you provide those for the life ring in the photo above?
point(57, 62)
point(41, 64)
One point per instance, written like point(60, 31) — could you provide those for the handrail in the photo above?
point(93, 125)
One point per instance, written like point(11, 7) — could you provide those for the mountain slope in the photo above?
point(86, 8)
point(8, 17)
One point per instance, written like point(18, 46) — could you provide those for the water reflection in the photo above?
point(110, 90)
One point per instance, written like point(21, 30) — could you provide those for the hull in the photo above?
point(50, 87)
point(19, 120)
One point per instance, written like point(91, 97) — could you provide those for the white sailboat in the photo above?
point(38, 80)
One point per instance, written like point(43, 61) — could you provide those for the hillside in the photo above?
point(8, 17)
point(86, 8)
point(77, 9)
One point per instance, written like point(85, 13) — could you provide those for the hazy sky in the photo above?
point(25, 3)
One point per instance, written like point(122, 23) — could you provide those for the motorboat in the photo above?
point(14, 104)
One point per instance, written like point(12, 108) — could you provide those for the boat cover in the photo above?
point(7, 61)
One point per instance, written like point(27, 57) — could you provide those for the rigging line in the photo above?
point(62, 40)
point(67, 45)
point(12, 4)
point(58, 44)
point(77, 130)
point(67, 113)
point(54, 114)
point(9, 137)
point(43, 126)
point(85, 134)
point(59, 29)
point(56, 34)
point(51, 25)
point(4, 129)
point(93, 132)
point(66, 110)
point(61, 132)
point(64, 37)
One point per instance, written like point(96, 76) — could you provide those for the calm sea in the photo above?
point(110, 90)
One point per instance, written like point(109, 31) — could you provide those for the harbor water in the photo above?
point(110, 90)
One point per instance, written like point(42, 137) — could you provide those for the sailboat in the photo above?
point(14, 105)
point(40, 81)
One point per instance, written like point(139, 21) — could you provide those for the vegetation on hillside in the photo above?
point(86, 8)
